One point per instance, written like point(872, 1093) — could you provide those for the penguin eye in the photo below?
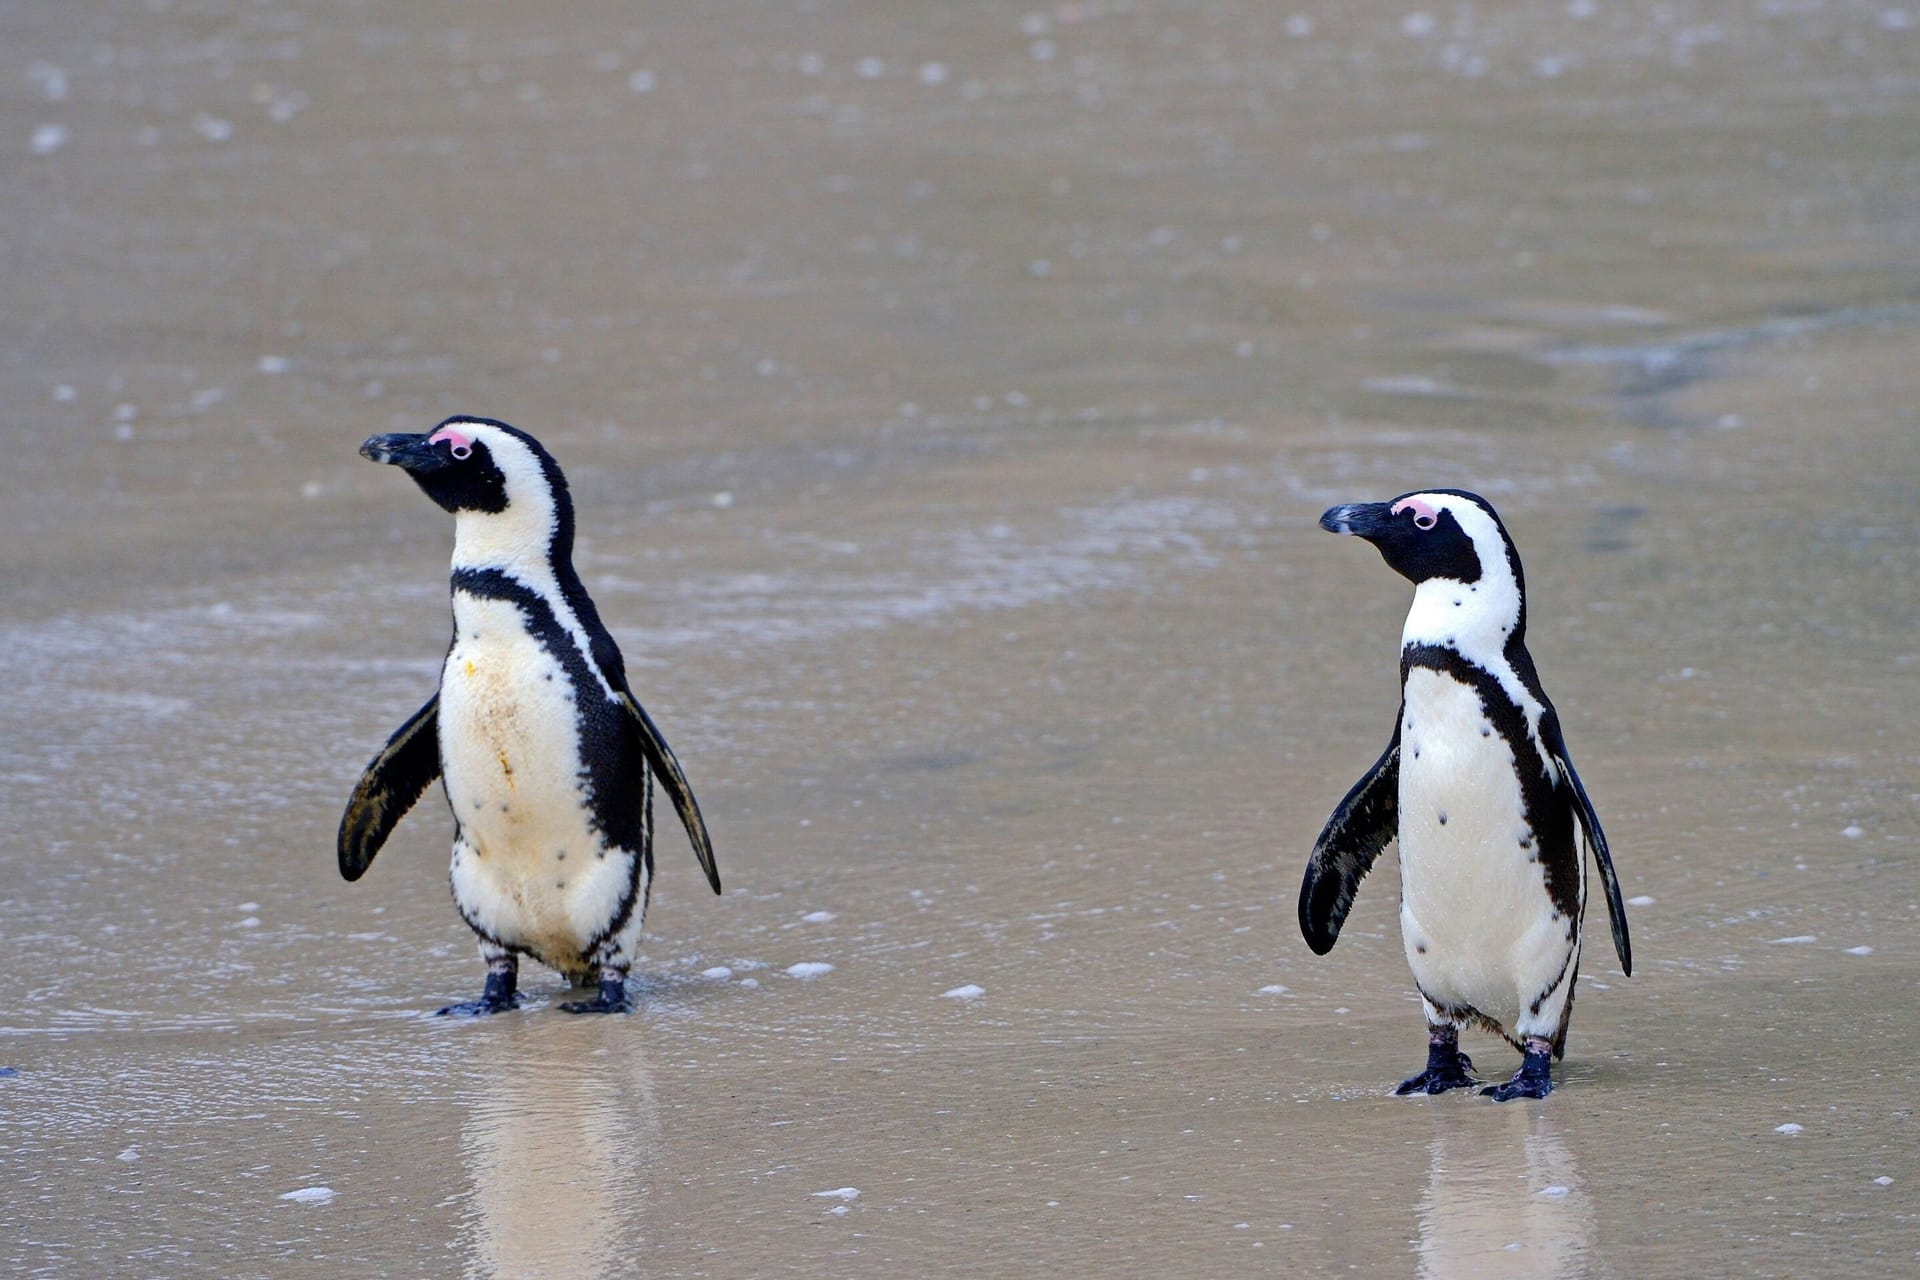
point(458, 445)
point(1424, 516)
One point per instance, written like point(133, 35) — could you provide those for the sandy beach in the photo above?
point(949, 395)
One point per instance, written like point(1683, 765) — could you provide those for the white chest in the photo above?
point(530, 868)
point(1458, 790)
point(1471, 887)
point(508, 735)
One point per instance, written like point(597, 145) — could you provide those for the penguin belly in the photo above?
point(1479, 928)
point(531, 870)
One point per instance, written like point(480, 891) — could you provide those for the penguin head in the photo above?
point(1430, 534)
point(1446, 537)
point(504, 489)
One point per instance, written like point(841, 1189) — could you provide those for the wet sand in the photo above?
point(949, 394)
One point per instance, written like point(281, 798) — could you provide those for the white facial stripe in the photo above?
point(519, 540)
point(1474, 618)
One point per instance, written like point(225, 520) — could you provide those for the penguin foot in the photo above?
point(480, 1008)
point(1447, 1067)
point(497, 997)
point(611, 999)
point(1534, 1079)
point(1454, 1071)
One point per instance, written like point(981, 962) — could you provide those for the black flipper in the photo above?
point(1596, 839)
point(1359, 829)
point(393, 781)
point(666, 767)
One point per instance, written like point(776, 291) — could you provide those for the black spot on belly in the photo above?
point(559, 884)
point(1421, 947)
point(601, 854)
point(503, 808)
point(1443, 819)
point(561, 855)
point(1486, 731)
point(1526, 842)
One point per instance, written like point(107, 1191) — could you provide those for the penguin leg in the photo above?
point(612, 997)
point(1541, 1030)
point(501, 991)
point(1447, 1067)
point(614, 956)
point(1534, 1079)
point(611, 960)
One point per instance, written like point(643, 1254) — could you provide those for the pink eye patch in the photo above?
point(462, 445)
point(1423, 515)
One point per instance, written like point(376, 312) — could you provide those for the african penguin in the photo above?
point(547, 756)
point(1477, 785)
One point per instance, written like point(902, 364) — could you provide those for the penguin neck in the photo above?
point(1480, 620)
point(531, 539)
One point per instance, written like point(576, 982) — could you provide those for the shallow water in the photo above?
point(949, 395)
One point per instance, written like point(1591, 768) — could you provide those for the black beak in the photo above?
point(1366, 519)
point(410, 452)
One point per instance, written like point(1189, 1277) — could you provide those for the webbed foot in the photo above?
point(497, 997)
point(1440, 1076)
point(1447, 1067)
point(1534, 1079)
point(611, 999)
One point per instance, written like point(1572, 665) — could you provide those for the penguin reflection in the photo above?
point(1504, 1198)
point(557, 1145)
